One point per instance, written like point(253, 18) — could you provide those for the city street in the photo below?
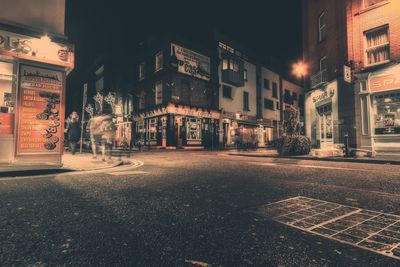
point(182, 208)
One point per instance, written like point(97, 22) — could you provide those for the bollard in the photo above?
point(346, 145)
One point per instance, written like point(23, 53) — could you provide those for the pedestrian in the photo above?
point(73, 131)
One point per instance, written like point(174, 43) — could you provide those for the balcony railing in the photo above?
point(319, 79)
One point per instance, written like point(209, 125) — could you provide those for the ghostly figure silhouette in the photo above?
point(102, 132)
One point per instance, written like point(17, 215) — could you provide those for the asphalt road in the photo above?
point(182, 206)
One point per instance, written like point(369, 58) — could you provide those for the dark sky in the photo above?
point(269, 28)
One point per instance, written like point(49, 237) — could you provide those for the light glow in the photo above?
point(299, 69)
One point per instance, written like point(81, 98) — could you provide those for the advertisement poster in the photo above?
point(191, 63)
point(39, 114)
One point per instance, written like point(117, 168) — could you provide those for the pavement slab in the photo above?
point(366, 229)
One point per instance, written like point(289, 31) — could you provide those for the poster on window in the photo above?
point(191, 63)
point(39, 124)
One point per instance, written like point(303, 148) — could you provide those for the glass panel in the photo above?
point(328, 125)
point(193, 129)
point(7, 101)
point(386, 108)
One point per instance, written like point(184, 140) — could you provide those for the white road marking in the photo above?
point(127, 173)
point(301, 166)
point(326, 167)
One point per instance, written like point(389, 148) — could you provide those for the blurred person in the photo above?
point(73, 131)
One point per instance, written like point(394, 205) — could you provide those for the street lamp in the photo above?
point(299, 69)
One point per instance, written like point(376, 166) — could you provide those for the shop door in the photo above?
point(325, 126)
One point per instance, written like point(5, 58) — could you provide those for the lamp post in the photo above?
point(300, 71)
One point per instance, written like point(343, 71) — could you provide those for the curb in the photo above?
point(373, 161)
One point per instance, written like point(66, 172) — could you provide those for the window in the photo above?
point(277, 106)
point(227, 91)
point(321, 27)
point(268, 104)
point(245, 74)
point(152, 129)
point(274, 89)
point(159, 91)
point(7, 99)
point(368, 3)
point(377, 46)
point(322, 64)
point(266, 84)
point(364, 115)
point(230, 64)
point(246, 101)
point(159, 61)
point(386, 109)
point(193, 129)
point(294, 96)
point(142, 100)
point(141, 71)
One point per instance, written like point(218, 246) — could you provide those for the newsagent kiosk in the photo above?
point(33, 67)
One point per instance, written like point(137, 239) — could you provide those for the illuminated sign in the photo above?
point(385, 82)
point(39, 120)
point(37, 49)
point(324, 95)
point(191, 63)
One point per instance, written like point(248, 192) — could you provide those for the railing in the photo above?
point(319, 79)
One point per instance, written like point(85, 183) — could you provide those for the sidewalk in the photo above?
point(78, 162)
point(271, 153)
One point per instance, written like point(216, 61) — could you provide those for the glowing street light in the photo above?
point(299, 69)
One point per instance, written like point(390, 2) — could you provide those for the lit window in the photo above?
point(234, 65)
point(377, 46)
point(141, 71)
point(225, 64)
point(321, 27)
point(245, 75)
point(159, 96)
point(368, 3)
point(159, 61)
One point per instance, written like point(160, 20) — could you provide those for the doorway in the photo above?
point(325, 126)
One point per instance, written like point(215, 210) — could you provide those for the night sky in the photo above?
point(115, 27)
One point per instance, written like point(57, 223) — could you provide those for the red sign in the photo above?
point(39, 130)
point(385, 82)
point(6, 123)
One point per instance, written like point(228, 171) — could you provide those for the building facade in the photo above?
point(329, 103)
point(177, 92)
point(373, 30)
point(35, 58)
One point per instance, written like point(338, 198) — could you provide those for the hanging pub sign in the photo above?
point(39, 125)
point(36, 49)
point(191, 63)
point(347, 74)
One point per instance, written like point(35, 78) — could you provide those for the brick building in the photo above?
point(329, 103)
point(374, 49)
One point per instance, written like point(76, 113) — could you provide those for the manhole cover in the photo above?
point(371, 230)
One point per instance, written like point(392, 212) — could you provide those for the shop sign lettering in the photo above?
point(386, 82)
point(324, 95)
point(35, 48)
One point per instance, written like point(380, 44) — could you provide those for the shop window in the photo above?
point(159, 93)
point(246, 101)
point(266, 84)
point(152, 129)
point(274, 90)
point(141, 71)
point(159, 61)
point(386, 108)
point(227, 91)
point(321, 27)
point(193, 129)
point(377, 46)
point(268, 104)
point(7, 101)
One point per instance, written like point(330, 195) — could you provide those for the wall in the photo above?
point(47, 15)
point(361, 20)
point(267, 93)
point(236, 103)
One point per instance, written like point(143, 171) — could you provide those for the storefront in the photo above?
point(32, 98)
point(242, 130)
point(322, 116)
point(177, 126)
point(379, 109)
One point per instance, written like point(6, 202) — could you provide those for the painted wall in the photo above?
point(47, 15)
